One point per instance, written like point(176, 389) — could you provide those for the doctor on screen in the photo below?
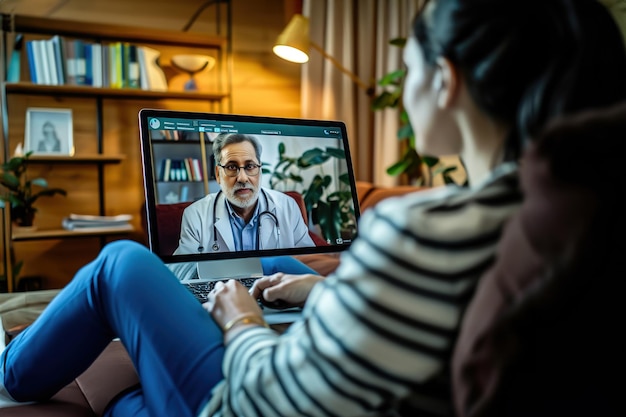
point(242, 215)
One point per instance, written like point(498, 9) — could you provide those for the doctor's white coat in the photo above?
point(196, 235)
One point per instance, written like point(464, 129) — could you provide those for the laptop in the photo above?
point(306, 160)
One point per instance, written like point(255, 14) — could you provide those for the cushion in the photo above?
point(20, 309)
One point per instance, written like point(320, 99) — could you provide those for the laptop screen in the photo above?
point(305, 189)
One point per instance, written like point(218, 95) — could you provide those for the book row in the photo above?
point(188, 169)
point(61, 61)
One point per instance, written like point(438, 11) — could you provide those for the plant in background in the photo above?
point(419, 169)
point(331, 211)
point(20, 193)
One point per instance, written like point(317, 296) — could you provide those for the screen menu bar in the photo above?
point(163, 123)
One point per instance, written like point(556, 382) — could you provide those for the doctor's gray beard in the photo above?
point(242, 202)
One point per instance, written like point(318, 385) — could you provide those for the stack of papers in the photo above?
point(86, 222)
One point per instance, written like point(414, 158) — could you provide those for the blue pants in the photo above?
point(126, 292)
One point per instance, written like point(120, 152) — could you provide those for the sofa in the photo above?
point(113, 372)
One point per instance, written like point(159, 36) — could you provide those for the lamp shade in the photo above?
point(293, 43)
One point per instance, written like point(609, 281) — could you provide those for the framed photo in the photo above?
point(49, 132)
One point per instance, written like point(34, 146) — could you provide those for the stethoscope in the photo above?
point(216, 245)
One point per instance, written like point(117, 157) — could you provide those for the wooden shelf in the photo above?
point(219, 91)
point(64, 234)
point(127, 93)
point(106, 32)
point(78, 159)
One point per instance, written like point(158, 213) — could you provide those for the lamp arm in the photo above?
point(367, 88)
point(196, 14)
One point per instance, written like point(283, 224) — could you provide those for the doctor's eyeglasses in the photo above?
point(232, 170)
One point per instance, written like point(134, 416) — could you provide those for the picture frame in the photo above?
point(49, 131)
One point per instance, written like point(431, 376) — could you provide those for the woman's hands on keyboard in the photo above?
point(284, 290)
point(231, 300)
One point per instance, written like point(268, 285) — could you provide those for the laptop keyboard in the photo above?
point(201, 290)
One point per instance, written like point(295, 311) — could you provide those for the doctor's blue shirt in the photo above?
point(245, 235)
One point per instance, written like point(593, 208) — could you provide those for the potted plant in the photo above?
point(419, 169)
point(329, 205)
point(20, 192)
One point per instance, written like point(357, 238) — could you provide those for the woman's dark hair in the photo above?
point(526, 62)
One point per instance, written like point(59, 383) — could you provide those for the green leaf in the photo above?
point(340, 196)
point(392, 78)
point(15, 202)
point(9, 180)
point(314, 156)
point(40, 182)
point(314, 193)
point(279, 176)
point(296, 178)
point(384, 100)
point(48, 192)
point(336, 152)
point(281, 149)
point(444, 170)
point(410, 164)
point(405, 132)
point(284, 164)
point(430, 161)
point(398, 168)
point(401, 42)
point(14, 163)
point(345, 178)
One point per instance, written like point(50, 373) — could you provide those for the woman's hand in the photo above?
point(293, 290)
point(229, 301)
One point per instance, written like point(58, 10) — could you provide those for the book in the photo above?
point(70, 62)
point(133, 72)
point(197, 170)
point(175, 171)
point(94, 218)
point(184, 193)
point(81, 64)
point(91, 222)
point(124, 65)
point(30, 53)
point(88, 64)
point(106, 78)
point(59, 59)
point(52, 65)
point(96, 65)
point(188, 169)
point(41, 62)
point(13, 72)
point(143, 69)
point(117, 81)
point(167, 165)
point(96, 227)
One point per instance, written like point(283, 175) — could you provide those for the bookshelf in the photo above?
point(185, 170)
point(97, 156)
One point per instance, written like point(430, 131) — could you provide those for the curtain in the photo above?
point(357, 34)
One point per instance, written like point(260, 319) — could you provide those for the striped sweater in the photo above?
point(376, 337)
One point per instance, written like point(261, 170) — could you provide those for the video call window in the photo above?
point(313, 170)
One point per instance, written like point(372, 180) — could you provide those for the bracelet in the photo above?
point(250, 318)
